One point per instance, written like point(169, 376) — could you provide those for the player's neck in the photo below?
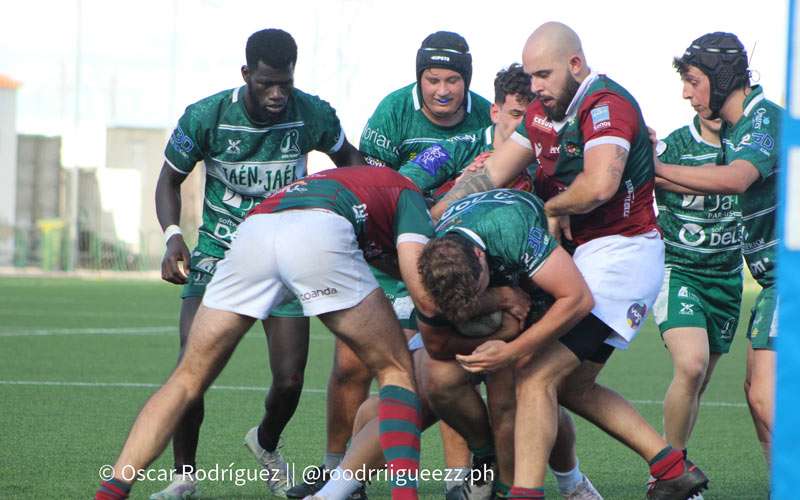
point(708, 135)
point(733, 108)
point(448, 121)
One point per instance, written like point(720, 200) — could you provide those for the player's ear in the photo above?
point(245, 73)
point(494, 112)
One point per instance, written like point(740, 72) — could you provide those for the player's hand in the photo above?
point(559, 227)
point(175, 264)
point(651, 134)
point(509, 329)
point(514, 301)
point(489, 356)
point(478, 163)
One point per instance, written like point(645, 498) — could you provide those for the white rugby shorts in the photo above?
point(309, 254)
point(624, 274)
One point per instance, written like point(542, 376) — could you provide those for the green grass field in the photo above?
point(79, 357)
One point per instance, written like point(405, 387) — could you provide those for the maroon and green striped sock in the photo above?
point(113, 489)
point(668, 464)
point(398, 416)
point(522, 493)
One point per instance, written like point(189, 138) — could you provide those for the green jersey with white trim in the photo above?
point(398, 130)
point(245, 160)
point(754, 138)
point(509, 225)
point(702, 234)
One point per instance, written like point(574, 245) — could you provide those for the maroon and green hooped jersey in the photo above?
point(702, 234)
point(398, 130)
point(754, 138)
point(384, 207)
point(602, 112)
point(246, 160)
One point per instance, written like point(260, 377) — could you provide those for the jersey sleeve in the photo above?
point(379, 141)
point(520, 134)
point(760, 145)
point(327, 133)
point(608, 118)
point(437, 164)
point(536, 248)
point(412, 220)
point(188, 142)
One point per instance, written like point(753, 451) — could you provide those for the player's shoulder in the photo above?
point(215, 104)
point(398, 100)
point(479, 103)
point(305, 101)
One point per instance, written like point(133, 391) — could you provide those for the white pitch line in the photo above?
point(137, 385)
point(146, 331)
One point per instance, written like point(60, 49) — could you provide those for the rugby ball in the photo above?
point(481, 326)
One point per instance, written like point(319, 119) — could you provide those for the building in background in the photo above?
point(8, 167)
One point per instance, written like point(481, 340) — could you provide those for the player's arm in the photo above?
point(501, 168)
point(168, 211)
point(559, 277)
point(734, 178)
point(665, 185)
point(603, 167)
point(443, 342)
point(347, 155)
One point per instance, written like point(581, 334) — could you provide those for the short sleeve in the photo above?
point(759, 145)
point(327, 133)
point(412, 220)
point(187, 144)
point(608, 118)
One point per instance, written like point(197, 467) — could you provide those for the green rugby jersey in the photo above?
point(398, 130)
point(246, 160)
point(754, 138)
point(509, 225)
point(702, 234)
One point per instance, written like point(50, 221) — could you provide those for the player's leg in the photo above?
point(213, 337)
point(348, 387)
point(287, 350)
point(760, 377)
point(501, 400)
point(371, 330)
point(690, 354)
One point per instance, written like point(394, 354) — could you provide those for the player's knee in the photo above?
point(692, 369)
point(289, 385)
point(350, 371)
point(760, 403)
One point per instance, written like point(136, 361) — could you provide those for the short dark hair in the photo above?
point(274, 47)
point(510, 81)
point(451, 273)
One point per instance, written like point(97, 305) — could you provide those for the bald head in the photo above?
point(555, 41)
point(554, 58)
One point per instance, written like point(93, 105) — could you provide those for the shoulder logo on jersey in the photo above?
point(432, 159)
point(233, 146)
point(289, 143)
point(542, 123)
point(537, 240)
point(181, 142)
point(763, 142)
point(360, 212)
point(636, 314)
point(601, 117)
point(759, 119)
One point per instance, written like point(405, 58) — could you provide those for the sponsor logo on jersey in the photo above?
point(692, 234)
point(636, 314)
point(759, 119)
point(432, 159)
point(378, 139)
point(181, 142)
point(601, 117)
point(763, 142)
point(693, 202)
point(315, 294)
point(360, 212)
point(683, 292)
point(542, 123)
point(555, 150)
point(233, 146)
point(572, 149)
point(289, 142)
point(726, 332)
point(537, 241)
point(687, 309)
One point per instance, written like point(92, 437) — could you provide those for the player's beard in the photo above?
point(559, 111)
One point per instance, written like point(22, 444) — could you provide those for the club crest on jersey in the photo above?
point(289, 142)
point(233, 146)
point(432, 159)
point(542, 123)
point(601, 117)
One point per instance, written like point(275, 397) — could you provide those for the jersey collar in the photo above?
point(755, 96)
point(471, 235)
point(488, 135)
point(694, 128)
